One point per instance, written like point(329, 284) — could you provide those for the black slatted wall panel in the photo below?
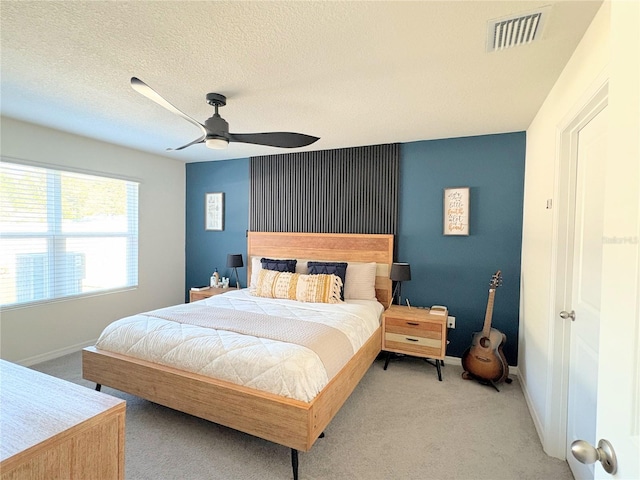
point(349, 190)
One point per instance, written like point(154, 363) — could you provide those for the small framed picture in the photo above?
point(456, 211)
point(214, 211)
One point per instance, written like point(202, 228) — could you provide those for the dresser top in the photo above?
point(415, 313)
point(35, 407)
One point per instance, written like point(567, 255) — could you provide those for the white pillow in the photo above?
point(360, 281)
point(256, 266)
point(301, 267)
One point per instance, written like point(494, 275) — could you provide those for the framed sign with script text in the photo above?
point(214, 211)
point(456, 211)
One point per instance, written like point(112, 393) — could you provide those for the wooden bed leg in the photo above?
point(98, 387)
point(294, 463)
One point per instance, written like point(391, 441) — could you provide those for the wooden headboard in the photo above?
point(344, 247)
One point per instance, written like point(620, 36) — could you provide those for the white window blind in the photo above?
point(65, 234)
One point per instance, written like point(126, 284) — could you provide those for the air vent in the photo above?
point(512, 31)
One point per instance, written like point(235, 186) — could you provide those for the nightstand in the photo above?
point(416, 332)
point(209, 292)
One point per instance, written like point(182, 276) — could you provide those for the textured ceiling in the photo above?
point(352, 73)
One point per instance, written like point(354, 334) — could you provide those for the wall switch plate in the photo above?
point(451, 322)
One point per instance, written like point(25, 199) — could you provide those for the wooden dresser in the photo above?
point(52, 428)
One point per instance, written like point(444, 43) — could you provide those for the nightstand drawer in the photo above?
point(412, 340)
point(412, 345)
point(413, 327)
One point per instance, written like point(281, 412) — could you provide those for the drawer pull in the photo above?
point(413, 323)
point(413, 339)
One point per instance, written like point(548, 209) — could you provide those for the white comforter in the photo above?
point(282, 368)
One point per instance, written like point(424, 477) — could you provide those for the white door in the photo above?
point(619, 374)
point(586, 289)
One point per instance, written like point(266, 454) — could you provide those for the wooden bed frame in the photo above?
point(281, 420)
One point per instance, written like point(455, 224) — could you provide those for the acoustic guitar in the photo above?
point(484, 359)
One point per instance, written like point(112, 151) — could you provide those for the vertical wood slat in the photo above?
point(350, 190)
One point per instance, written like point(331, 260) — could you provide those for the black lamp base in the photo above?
point(397, 292)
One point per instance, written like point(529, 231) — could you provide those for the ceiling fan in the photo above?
point(215, 131)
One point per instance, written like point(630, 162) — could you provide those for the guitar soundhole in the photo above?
point(485, 342)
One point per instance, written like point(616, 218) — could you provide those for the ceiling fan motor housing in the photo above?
point(216, 127)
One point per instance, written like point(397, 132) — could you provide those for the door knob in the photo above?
point(572, 315)
point(586, 453)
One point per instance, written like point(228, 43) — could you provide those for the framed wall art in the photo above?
point(214, 211)
point(456, 211)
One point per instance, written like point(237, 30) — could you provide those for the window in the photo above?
point(65, 234)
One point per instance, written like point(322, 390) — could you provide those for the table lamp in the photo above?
point(234, 261)
point(400, 272)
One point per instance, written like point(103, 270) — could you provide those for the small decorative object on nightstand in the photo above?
point(235, 261)
point(416, 332)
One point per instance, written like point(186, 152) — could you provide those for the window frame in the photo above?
point(56, 238)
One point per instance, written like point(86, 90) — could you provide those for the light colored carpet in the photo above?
point(401, 423)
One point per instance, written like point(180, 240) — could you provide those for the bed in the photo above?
point(282, 419)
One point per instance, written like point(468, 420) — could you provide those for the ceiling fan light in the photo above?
point(217, 143)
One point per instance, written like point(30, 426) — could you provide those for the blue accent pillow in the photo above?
point(329, 268)
point(279, 265)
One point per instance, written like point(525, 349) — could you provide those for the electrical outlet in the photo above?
point(451, 322)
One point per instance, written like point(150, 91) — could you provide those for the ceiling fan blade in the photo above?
point(197, 140)
point(274, 139)
point(144, 89)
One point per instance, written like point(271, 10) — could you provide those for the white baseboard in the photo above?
point(536, 420)
point(452, 360)
point(27, 362)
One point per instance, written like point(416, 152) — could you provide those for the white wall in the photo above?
point(32, 334)
point(594, 61)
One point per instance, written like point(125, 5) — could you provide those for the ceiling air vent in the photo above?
point(513, 31)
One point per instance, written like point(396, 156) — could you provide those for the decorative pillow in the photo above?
point(329, 268)
point(278, 265)
point(295, 286)
point(360, 281)
point(301, 266)
point(256, 266)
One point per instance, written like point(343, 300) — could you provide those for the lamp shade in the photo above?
point(234, 260)
point(400, 272)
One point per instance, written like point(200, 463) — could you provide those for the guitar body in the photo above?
point(484, 359)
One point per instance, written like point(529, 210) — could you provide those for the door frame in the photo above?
point(592, 103)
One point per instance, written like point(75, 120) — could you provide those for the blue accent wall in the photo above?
point(456, 270)
point(449, 270)
point(206, 250)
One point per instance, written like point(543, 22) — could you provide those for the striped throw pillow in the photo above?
point(295, 286)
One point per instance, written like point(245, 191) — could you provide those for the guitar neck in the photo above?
point(486, 329)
